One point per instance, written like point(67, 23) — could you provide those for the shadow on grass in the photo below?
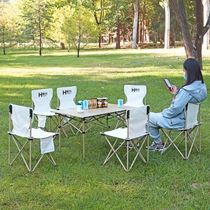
point(93, 60)
point(18, 89)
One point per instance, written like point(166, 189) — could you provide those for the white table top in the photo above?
point(112, 108)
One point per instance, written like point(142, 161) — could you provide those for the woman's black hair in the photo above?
point(193, 70)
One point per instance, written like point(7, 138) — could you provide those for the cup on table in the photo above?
point(85, 104)
point(120, 103)
point(79, 108)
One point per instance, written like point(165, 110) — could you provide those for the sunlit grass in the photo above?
point(166, 182)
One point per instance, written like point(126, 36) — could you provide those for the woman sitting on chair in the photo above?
point(193, 91)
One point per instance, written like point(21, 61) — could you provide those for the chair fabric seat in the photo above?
point(45, 113)
point(184, 129)
point(37, 133)
point(121, 133)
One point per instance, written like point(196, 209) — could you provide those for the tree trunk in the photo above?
point(69, 47)
point(118, 35)
point(4, 49)
point(78, 51)
point(62, 45)
point(138, 31)
point(199, 28)
point(99, 40)
point(147, 37)
point(3, 42)
point(167, 25)
point(110, 39)
point(78, 46)
point(196, 50)
point(179, 10)
point(40, 38)
point(206, 10)
point(99, 15)
point(142, 12)
point(135, 24)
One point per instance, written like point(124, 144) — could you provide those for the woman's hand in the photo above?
point(174, 90)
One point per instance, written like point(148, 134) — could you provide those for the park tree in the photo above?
point(119, 19)
point(99, 9)
point(149, 13)
point(135, 24)
point(206, 11)
point(8, 26)
point(193, 47)
point(165, 5)
point(37, 16)
point(56, 33)
point(79, 27)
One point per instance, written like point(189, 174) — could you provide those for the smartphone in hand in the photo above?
point(168, 84)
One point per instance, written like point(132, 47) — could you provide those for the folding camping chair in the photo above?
point(188, 134)
point(23, 135)
point(133, 137)
point(41, 101)
point(136, 95)
point(66, 97)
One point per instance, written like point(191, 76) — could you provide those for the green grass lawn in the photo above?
point(166, 182)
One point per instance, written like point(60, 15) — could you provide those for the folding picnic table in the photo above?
point(88, 117)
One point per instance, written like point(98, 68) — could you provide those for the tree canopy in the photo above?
point(74, 24)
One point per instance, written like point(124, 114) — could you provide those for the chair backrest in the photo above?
point(137, 121)
point(135, 95)
point(66, 96)
point(42, 99)
point(192, 114)
point(21, 118)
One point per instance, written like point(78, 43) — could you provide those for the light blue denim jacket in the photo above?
point(193, 93)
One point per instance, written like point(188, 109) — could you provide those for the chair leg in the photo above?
point(185, 139)
point(127, 159)
point(190, 136)
point(115, 153)
point(28, 162)
point(138, 154)
point(59, 139)
point(172, 142)
point(112, 150)
point(128, 165)
point(30, 155)
point(20, 149)
point(37, 163)
point(138, 151)
point(147, 149)
point(199, 130)
point(51, 159)
point(9, 149)
point(193, 142)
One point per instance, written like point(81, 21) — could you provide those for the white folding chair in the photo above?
point(42, 101)
point(66, 100)
point(66, 96)
point(133, 138)
point(23, 135)
point(136, 95)
point(188, 134)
